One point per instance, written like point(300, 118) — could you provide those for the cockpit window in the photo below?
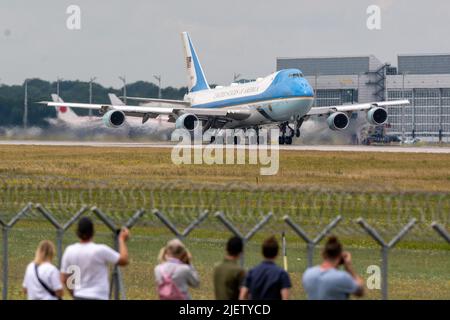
point(296, 75)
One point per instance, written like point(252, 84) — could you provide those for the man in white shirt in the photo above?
point(90, 263)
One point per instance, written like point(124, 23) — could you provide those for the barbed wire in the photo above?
point(244, 204)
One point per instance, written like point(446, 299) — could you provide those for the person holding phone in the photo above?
point(326, 281)
point(175, 273)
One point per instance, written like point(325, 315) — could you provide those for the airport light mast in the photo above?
point(58, 79)
point(124, 80)
point(158, 78)
point(25, 106)
point(90, 94)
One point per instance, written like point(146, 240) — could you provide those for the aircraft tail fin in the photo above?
point(196, 77)
point(63, 113)
point(115, 100)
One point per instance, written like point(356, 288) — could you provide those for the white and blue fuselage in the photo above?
point(277, 99)
point(273, 99)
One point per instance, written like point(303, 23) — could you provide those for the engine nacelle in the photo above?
point(377, 116)
point(338, 121)
point(114, 118)
point(187, 121)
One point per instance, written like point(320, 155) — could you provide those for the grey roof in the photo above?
point(331, 65)
point(424, 64)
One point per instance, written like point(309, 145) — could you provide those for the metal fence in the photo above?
point(242, 210)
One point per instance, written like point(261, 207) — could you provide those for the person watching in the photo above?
point(228, 276)
point(42, 280)
point(267, 281)
point(86, 263)
point(326, 281)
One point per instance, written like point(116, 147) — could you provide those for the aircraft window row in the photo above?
point(296, 75)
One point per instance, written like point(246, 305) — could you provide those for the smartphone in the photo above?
point(341, 261)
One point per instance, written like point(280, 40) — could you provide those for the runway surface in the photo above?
point(330, 148)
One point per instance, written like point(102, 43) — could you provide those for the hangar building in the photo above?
point(423, 79)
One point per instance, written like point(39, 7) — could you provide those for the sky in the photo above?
point(141, 38)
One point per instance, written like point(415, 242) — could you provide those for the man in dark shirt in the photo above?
point(228, 275)
point(267, 281)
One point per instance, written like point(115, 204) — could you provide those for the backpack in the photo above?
point(168, 290)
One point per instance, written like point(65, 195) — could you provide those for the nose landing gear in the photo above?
point(287, 132)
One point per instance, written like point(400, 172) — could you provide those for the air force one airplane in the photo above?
point(278, 98)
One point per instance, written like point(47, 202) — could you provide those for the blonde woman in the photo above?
point(175, 274)
point(42, 279)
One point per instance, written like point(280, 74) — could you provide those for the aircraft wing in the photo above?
point(160, 101)
point(146, 111)
point(318, 111)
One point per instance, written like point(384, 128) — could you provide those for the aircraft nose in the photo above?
point(309, 91)
point(305, 88)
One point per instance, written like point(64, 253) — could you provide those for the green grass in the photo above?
point(413, 274)
point(311, 187)
point(331, 170)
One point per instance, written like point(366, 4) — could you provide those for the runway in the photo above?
point(327, 148)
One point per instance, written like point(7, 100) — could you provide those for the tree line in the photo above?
point(12, 98)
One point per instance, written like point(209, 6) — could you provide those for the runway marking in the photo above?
point(327, 148)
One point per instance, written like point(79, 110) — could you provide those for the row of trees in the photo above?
point(12, 98)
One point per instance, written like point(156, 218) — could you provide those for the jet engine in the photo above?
point(338, 121)
point(114, 118)
point(377, 116)
point(187, 121)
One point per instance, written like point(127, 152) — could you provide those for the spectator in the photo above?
point(267, 281)
point(90, 261)
point(175, 273)
point(42, 280)
point(326, 281)
point(229, 276)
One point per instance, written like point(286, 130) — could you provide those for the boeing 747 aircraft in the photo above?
point(67, 117)
point(278, 98)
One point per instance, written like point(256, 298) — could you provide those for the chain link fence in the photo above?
point(42, 206)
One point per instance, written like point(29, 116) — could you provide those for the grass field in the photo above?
point(419, 267)
point(344, 170)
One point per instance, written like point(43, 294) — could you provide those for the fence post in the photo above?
point(59, 245)
point(116, 279)
point(58, 227)
point(117, 286)
point(62, 231)
point(311, 243)
point(227, 223)
point(385, 247)
point(181, 235)
point(132, 221)
point(5, 232)
point(129, 224)
point(441, 231)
